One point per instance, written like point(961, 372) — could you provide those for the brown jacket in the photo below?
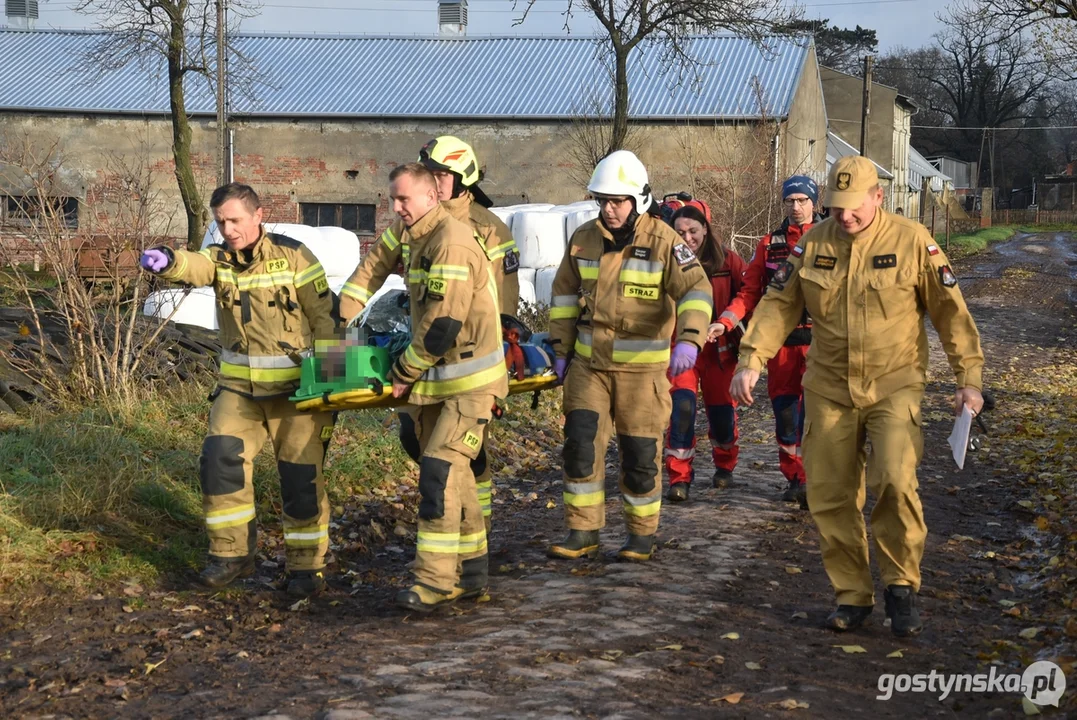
point(867, 296)
point(617, 309)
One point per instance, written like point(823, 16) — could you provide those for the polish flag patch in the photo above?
point(932, 250)
point(797, 250)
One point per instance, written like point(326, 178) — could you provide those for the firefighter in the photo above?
point(867, 277)
point(714, 368)
point(273, 301)
point(625, 282)
point(452, 373)
point(456, 169)
point(800, 195)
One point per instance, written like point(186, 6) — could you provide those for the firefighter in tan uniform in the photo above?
point(273, 300)
point(452, 373)
point(867, 278)
point(456, 169)
point(626, 281)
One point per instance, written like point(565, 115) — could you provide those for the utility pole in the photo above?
point(992, 168)
point(224, 154)
point(866, 110)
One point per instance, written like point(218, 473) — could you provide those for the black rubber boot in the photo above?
point(422, 599)
point(901, 609)
point(678, 492)
point(221, 571)
point(802, 496)
point(848, 617)
point(790, 494)
point(578, 544)
point(304, 583)
point(637, 547)
point(722, 478)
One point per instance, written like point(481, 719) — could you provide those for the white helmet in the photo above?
point(621, 174)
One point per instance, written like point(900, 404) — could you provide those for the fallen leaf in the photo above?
point(150, 667)
point(133, 590)
point(192, 634)
point(1007, 603)
point(1030, 633)
point(117, 683)
point(896, 654)
point(792, 704)
point(962, 538)
point(731, 636)
point(850, 649)
point(716, 659)
point(550, 505)
point(1027, 504)
point(334, 603)
point(612, 655)
point(299, 604)
point(793, 570)
point(1042, 523)
point(753, 666)
point(243, 654)
point(128, 609)
point(672, 647)
point(1012, 612)
point(732, 698)
point(274, 628)
point(800, 615)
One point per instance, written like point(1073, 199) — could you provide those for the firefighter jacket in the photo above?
point(867, 295)
point(616, 307)
point(272, 301)
point(772, 251)
point(455, 344)
point(393, 248)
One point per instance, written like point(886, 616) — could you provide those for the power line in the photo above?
point(1010, 129)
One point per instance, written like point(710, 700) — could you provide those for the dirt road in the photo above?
point(725, 622)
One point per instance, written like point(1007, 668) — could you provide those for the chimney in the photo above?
point(21, 14)
point(452, 18)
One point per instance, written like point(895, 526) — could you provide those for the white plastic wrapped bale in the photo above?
point(527, 285)
point(337, 249)
point(505, 213)
point(532, 207)
point(544, 285)
point(575, 218)
point(540, 237)
point(196, 306)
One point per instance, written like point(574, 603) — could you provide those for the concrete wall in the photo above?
point(806, 127)
point(844, 103)
point(294, 161)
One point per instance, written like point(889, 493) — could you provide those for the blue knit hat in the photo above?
point(801, 184)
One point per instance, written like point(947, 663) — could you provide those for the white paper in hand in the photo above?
point(959, 438)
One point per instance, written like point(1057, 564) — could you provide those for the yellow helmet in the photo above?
point(452, 154)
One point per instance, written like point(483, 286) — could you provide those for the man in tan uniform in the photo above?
point(866, 277)
point(626, 282)
point(452, 374)
point(273, 301)
point(456, 169)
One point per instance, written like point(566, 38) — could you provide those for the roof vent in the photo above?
point(452, 18)
point(22, 14)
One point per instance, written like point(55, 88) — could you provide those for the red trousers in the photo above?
point(714, 378)
point(785, 371)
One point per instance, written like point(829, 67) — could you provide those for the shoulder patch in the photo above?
point(782, 275)
point(284, 241)
point(947, 277)
point(825, 262)
point(683, 254)
point(797, 250)
point(932, 249)
point(511, 263)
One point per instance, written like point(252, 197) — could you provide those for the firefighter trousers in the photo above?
point(785, 371)
point(637, 406)
point(238, 428)
point(834, 456)
point(451, 550)
point(714, 378)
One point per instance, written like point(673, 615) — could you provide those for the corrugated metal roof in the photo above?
point(920, 168)
point(838, 148)
point(508, 77)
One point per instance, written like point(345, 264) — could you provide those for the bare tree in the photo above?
point(183, 34)
point(1051, 21)
point(670, 23)
point(590, 135)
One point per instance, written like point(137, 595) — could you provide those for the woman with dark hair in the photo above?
point(714, 368)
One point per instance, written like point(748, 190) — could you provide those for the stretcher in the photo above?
point(381, 395)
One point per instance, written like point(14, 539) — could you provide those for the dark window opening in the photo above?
point(30, 210)
point(358, 218)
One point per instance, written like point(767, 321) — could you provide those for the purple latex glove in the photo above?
point(560, 365)
point(155, 260)
point(683, 357)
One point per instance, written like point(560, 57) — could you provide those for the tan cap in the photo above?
point(850, 179)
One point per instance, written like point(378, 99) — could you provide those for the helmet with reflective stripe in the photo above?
point(621, 174)
point(452, 154)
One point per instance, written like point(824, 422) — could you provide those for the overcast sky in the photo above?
point(897, 22)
